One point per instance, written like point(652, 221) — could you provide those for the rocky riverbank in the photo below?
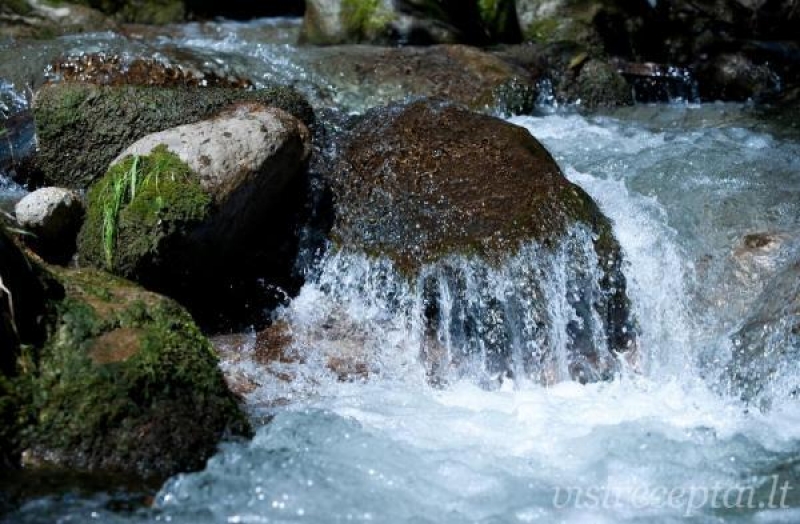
point(212, 186)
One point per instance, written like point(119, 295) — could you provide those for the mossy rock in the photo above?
point(82, 128)
point(129, 231)
point(420, 183)
point(599, 84)
point(126, 382)
point(426, 180)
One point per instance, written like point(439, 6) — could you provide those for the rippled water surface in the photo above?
point(705, 202)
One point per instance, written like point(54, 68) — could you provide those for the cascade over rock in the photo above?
point(467, 224)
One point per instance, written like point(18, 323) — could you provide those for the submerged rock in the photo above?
point(465, 206)
point(82, 128)
point(180, 205)
point(767, 345)
point(362, 77)
point(127, 383)
point(53, 215)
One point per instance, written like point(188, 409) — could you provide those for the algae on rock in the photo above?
point(138, 210)
point(126, 382)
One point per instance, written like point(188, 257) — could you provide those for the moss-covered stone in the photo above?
point(365, 20)
point(419, 183)
point(126, 382)
point(600, 85)
point(82, 128)
point(138, 211)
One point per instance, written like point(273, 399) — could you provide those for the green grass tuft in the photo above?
point(121, 190)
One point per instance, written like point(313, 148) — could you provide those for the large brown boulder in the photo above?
point(422, 181)
point(456, 200)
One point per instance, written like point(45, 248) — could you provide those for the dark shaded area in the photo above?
point(27, 292)
point(279, 257)
point(243, 9)
point(115, 493)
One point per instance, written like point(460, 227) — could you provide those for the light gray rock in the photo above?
point(54, 216)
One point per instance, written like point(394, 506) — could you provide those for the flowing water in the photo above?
point(705, 202)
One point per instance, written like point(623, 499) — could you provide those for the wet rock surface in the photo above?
point(363, 77)
point(422, 181)
point(768, 342)
point(116, 70)
point(125, 383)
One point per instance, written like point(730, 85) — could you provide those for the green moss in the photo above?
point(140, 207)
point(121, 366)
point(364, 19)
point(499, 19)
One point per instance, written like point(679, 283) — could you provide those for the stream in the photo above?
point(705, 202)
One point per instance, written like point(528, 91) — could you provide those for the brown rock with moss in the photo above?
point(82, 128)
point(126, 382)
point(120, 70)
point(420, 183)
